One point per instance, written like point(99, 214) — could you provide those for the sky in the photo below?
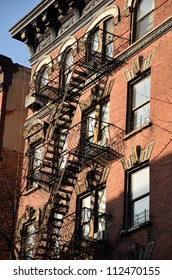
point(12, 11)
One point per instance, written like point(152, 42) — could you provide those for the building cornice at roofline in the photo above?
point(52, 19)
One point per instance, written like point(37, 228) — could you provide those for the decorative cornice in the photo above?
point(85, 104)
point(141, 64)
point(51, 21)
point(137, 156)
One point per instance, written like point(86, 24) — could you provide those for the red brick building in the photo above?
point(98, 133)
point(14, 86)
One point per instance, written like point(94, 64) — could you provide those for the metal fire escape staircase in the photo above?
point(61, 181)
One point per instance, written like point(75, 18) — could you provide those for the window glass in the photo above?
point(43, 79)
point(102, 201)
point(140, 103)
point(37, 161)
point(95, 41)
point(144, 17)
point(104, 120)
point(140, 211)
point(144, 7)
point(139, 183)
point(141, 116)
point(139, 196)
point(67, 67)
point(29, 244)
point(108, 41)
point(144, 26)
point(90, 125)
point(86, 215)
point(93, 209)
point(141, 91)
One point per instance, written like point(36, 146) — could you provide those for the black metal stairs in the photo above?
point(61, 181)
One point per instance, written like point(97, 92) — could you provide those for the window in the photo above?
point(43, 78)
point(35, 162)
point(138, 196)
point(100, 39)
point(28, 245)
point(139, 103)
point(144, 17)
point(97, 122)
point(93, 206)
point(66, 73)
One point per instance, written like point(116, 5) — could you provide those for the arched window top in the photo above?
point(40, 74)
point(109, 12)
point(45, 62)
point(69, 44)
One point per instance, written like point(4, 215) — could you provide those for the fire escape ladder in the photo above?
point(56, 208)
point(61, 181)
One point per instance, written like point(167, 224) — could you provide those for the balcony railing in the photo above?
point(87, 226)
point(100, 142)
point(104, 48)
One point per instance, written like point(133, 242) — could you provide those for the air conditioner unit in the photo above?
point(33, 102)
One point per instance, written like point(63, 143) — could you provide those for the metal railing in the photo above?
point(141, 218)
point(93, 60)
point(87, 225)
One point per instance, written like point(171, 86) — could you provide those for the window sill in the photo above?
point(134, 228)
point(133, 132)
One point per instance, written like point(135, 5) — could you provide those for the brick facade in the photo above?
point(149, 144)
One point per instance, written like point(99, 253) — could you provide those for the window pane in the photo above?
point(95, 41)
point(144, 7)
point(43, 79)
point(105, 112)
point(90, 125)
point(86, 201)
point(140, 211)
point(108, 30)
point(139, 183)
point(30, 241)
point(102, 201)
point(68, 66)
point(69, 59)
point(141, 116)
point(37, 157)
point(105, 120)
point(144, 25)
point(141, 91)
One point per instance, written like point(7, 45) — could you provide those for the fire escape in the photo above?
point(60, 167)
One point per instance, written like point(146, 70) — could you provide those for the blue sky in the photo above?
point(11, 11)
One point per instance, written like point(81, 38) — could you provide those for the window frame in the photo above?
point(33, 147)
point(130, 125)
point(25, 251)
point(128, 214)
point(66, 71)
point(95, 213)
point(98, 129)
point(101, 28)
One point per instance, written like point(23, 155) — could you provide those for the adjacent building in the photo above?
point(14, 87)
point(98, 135)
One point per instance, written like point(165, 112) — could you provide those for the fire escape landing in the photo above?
point(61, 164)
